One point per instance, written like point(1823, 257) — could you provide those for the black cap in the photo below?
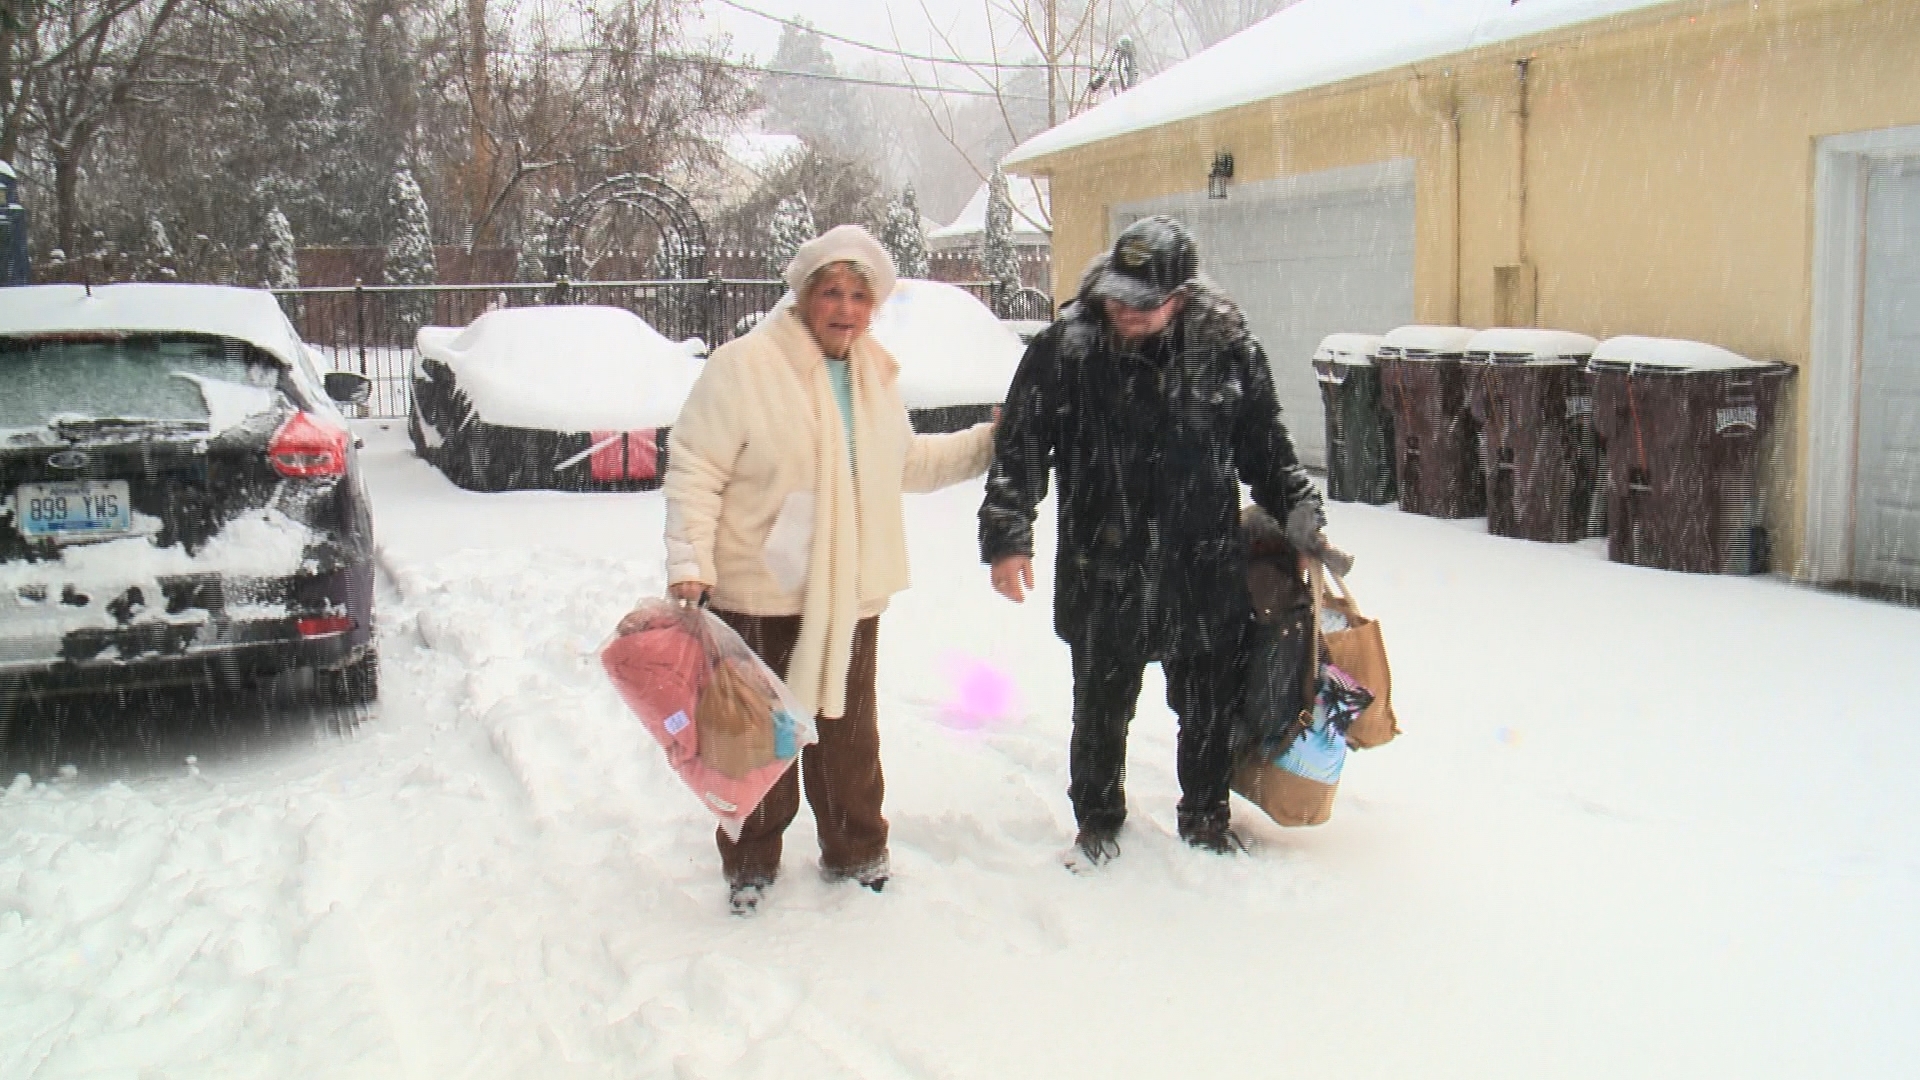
point(1151, 258)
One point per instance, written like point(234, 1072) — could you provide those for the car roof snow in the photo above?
point(249, 315)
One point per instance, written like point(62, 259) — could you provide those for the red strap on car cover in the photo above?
point(626, 455)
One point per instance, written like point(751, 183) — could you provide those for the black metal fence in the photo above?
point(370, 328)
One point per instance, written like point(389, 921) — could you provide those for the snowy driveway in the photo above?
point(1641, 824)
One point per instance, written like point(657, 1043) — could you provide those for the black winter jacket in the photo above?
point(1149, 448)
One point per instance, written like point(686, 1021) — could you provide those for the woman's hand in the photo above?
point(687, 592)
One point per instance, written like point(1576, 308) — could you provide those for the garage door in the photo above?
point(1887, 501)
point(1307, 257)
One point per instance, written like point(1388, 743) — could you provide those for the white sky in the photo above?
point(873, 21)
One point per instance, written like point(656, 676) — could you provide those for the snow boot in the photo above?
point(1210, 831)
point(1217, 837)
point(744, 898)
point(872, 876)
point(1093, 846)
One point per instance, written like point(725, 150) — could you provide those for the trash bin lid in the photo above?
point(1355, 350)
point(1514, 345)
point(1668, 354)
point(1425, 343)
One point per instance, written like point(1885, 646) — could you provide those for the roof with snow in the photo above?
point(1030, 217)
point(1311, 44)
point(758, 149)
point(249, 315)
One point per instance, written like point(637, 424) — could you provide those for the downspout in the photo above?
point(1453, 137)
point(1520, 67)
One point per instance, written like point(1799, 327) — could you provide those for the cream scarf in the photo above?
point(817, 671)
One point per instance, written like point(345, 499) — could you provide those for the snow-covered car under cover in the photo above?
point(575, 398)
point(956, 358)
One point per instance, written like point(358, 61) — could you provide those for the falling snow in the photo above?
point(1634, 827)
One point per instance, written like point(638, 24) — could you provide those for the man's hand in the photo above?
point(1306, 532)
point(1013, 577)
point(1303, 528)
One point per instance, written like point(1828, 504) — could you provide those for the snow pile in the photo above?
point(51, 598)
point(1315, 43)
point(230, 404)
point(258, 543)
point(1533, 344)
point(249, 315)
point(581, 368)
point(1419, 342)
point(1669, 353)
point(951, 348)
point(1354, 350)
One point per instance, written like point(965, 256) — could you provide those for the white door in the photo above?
point(1887, 499)
point(1307, 257)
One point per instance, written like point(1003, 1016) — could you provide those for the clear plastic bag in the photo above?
point(728, 725)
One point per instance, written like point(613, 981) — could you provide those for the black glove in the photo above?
point(1306, 524)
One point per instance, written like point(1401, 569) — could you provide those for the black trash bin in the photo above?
point(1689, 433)
point(1359, 431)
point(1529, 393)
point(1436, 442)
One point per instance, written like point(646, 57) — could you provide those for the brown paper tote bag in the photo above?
point(1288, 798)
point(734, 721)
point(1295, 787)
point(1359, 651)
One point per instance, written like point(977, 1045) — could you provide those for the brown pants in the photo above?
point(842, 770)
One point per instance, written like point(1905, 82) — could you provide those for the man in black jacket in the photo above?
point(1150, 403)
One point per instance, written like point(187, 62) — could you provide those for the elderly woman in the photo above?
point(786, 469)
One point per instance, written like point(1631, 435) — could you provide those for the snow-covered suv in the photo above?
point(179, 497)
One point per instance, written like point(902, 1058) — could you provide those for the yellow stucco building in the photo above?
point(1739, 172)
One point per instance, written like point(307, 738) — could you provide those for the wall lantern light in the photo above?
point(1218, 176)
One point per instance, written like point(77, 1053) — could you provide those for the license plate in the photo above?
point(73, 508)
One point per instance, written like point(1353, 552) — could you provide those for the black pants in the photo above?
point(1204, 691)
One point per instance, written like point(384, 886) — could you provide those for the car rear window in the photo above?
point(134, 378)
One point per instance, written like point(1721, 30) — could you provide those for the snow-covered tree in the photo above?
point(157, 259)
point(409, 250)
point(902, 236)
point(283, 265)
point(530, 261)
point(792, 226)
point(998, 263)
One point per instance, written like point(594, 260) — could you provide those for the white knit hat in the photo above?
point(843, 243)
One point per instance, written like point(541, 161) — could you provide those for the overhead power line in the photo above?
point(734, 65)
point(921, 87)
point(900, 53)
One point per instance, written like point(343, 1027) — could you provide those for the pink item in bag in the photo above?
point(660, 667)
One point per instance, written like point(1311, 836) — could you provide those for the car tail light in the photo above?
point(306, 447)
point(322, 625)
